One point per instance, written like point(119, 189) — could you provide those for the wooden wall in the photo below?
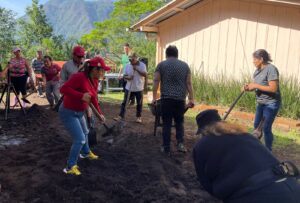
point(219, 36)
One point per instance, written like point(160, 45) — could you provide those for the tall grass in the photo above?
point(222, 91)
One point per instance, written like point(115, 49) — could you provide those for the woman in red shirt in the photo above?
point(50, 73)
point(79, 91)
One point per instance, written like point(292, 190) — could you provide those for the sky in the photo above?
point(18, 6)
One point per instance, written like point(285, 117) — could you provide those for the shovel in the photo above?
point(258, 133)
point(233, 104)
point(109, 130)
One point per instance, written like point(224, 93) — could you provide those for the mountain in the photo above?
point(73, 18)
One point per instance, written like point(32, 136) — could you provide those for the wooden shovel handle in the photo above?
point(95, 111)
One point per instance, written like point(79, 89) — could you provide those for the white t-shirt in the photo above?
point(137, 83)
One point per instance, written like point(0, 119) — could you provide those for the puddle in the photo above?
point(11, 140)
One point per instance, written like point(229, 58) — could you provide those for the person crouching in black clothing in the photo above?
point(235, 167)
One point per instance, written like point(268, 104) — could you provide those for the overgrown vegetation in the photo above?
point(7, 27)
point(222, 91)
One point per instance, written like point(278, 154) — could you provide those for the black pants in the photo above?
point(282, 192)
point(139, 101)
point(123, 83)
point(172, 109)
point(19, 84)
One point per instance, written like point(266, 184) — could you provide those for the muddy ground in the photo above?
point(132, 169)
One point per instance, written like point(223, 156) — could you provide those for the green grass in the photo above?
point(112, 97)
point(115, 98)
point(222, 91)
point(284, 140)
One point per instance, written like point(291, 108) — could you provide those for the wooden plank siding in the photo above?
point(218, 37)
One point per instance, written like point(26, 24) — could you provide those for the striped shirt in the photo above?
point(17, 67)
point(173, 74)
point(37, 65)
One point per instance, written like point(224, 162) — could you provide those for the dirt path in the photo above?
point(130, 170)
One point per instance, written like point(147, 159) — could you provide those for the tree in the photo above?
point(111, 34)
point(7, 34)
point(34, 28)
point(58, 48)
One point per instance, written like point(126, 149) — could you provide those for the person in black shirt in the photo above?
point(234, 166)
point(173, 76)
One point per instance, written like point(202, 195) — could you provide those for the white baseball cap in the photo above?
point(16, 49)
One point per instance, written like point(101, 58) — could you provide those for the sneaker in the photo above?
point(118, 118)
point(139, 120)
point(90, 156)
point(73, 171)
point(181, 148)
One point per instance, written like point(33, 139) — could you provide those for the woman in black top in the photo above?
point(234, 166)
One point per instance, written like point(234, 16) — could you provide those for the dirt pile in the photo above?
point(130, 170)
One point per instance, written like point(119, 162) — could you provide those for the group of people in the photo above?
point(230, 163)
point(44, 74)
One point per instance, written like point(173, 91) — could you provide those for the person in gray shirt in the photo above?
point(72, 66)
point(69, 68)
point(174, 78)
point(268, 97)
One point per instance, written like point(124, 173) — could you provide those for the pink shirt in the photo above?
point(17, 67)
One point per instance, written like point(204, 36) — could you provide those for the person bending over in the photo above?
point(234, 166)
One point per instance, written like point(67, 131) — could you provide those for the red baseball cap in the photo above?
point(78, 51)
point(98, 62)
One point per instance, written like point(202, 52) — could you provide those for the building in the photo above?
point(218, 37)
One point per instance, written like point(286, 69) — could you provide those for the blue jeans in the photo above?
point(268, 112)
point(75, 124)
point(52, 92)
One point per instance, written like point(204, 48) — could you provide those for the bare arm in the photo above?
point(4, 72)
point(156, 82)
point(29, 70)
point(44, 78)
point(142, 73)
point(271, 87)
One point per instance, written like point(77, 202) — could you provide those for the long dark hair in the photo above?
point(87, 69)
point(261, 53)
